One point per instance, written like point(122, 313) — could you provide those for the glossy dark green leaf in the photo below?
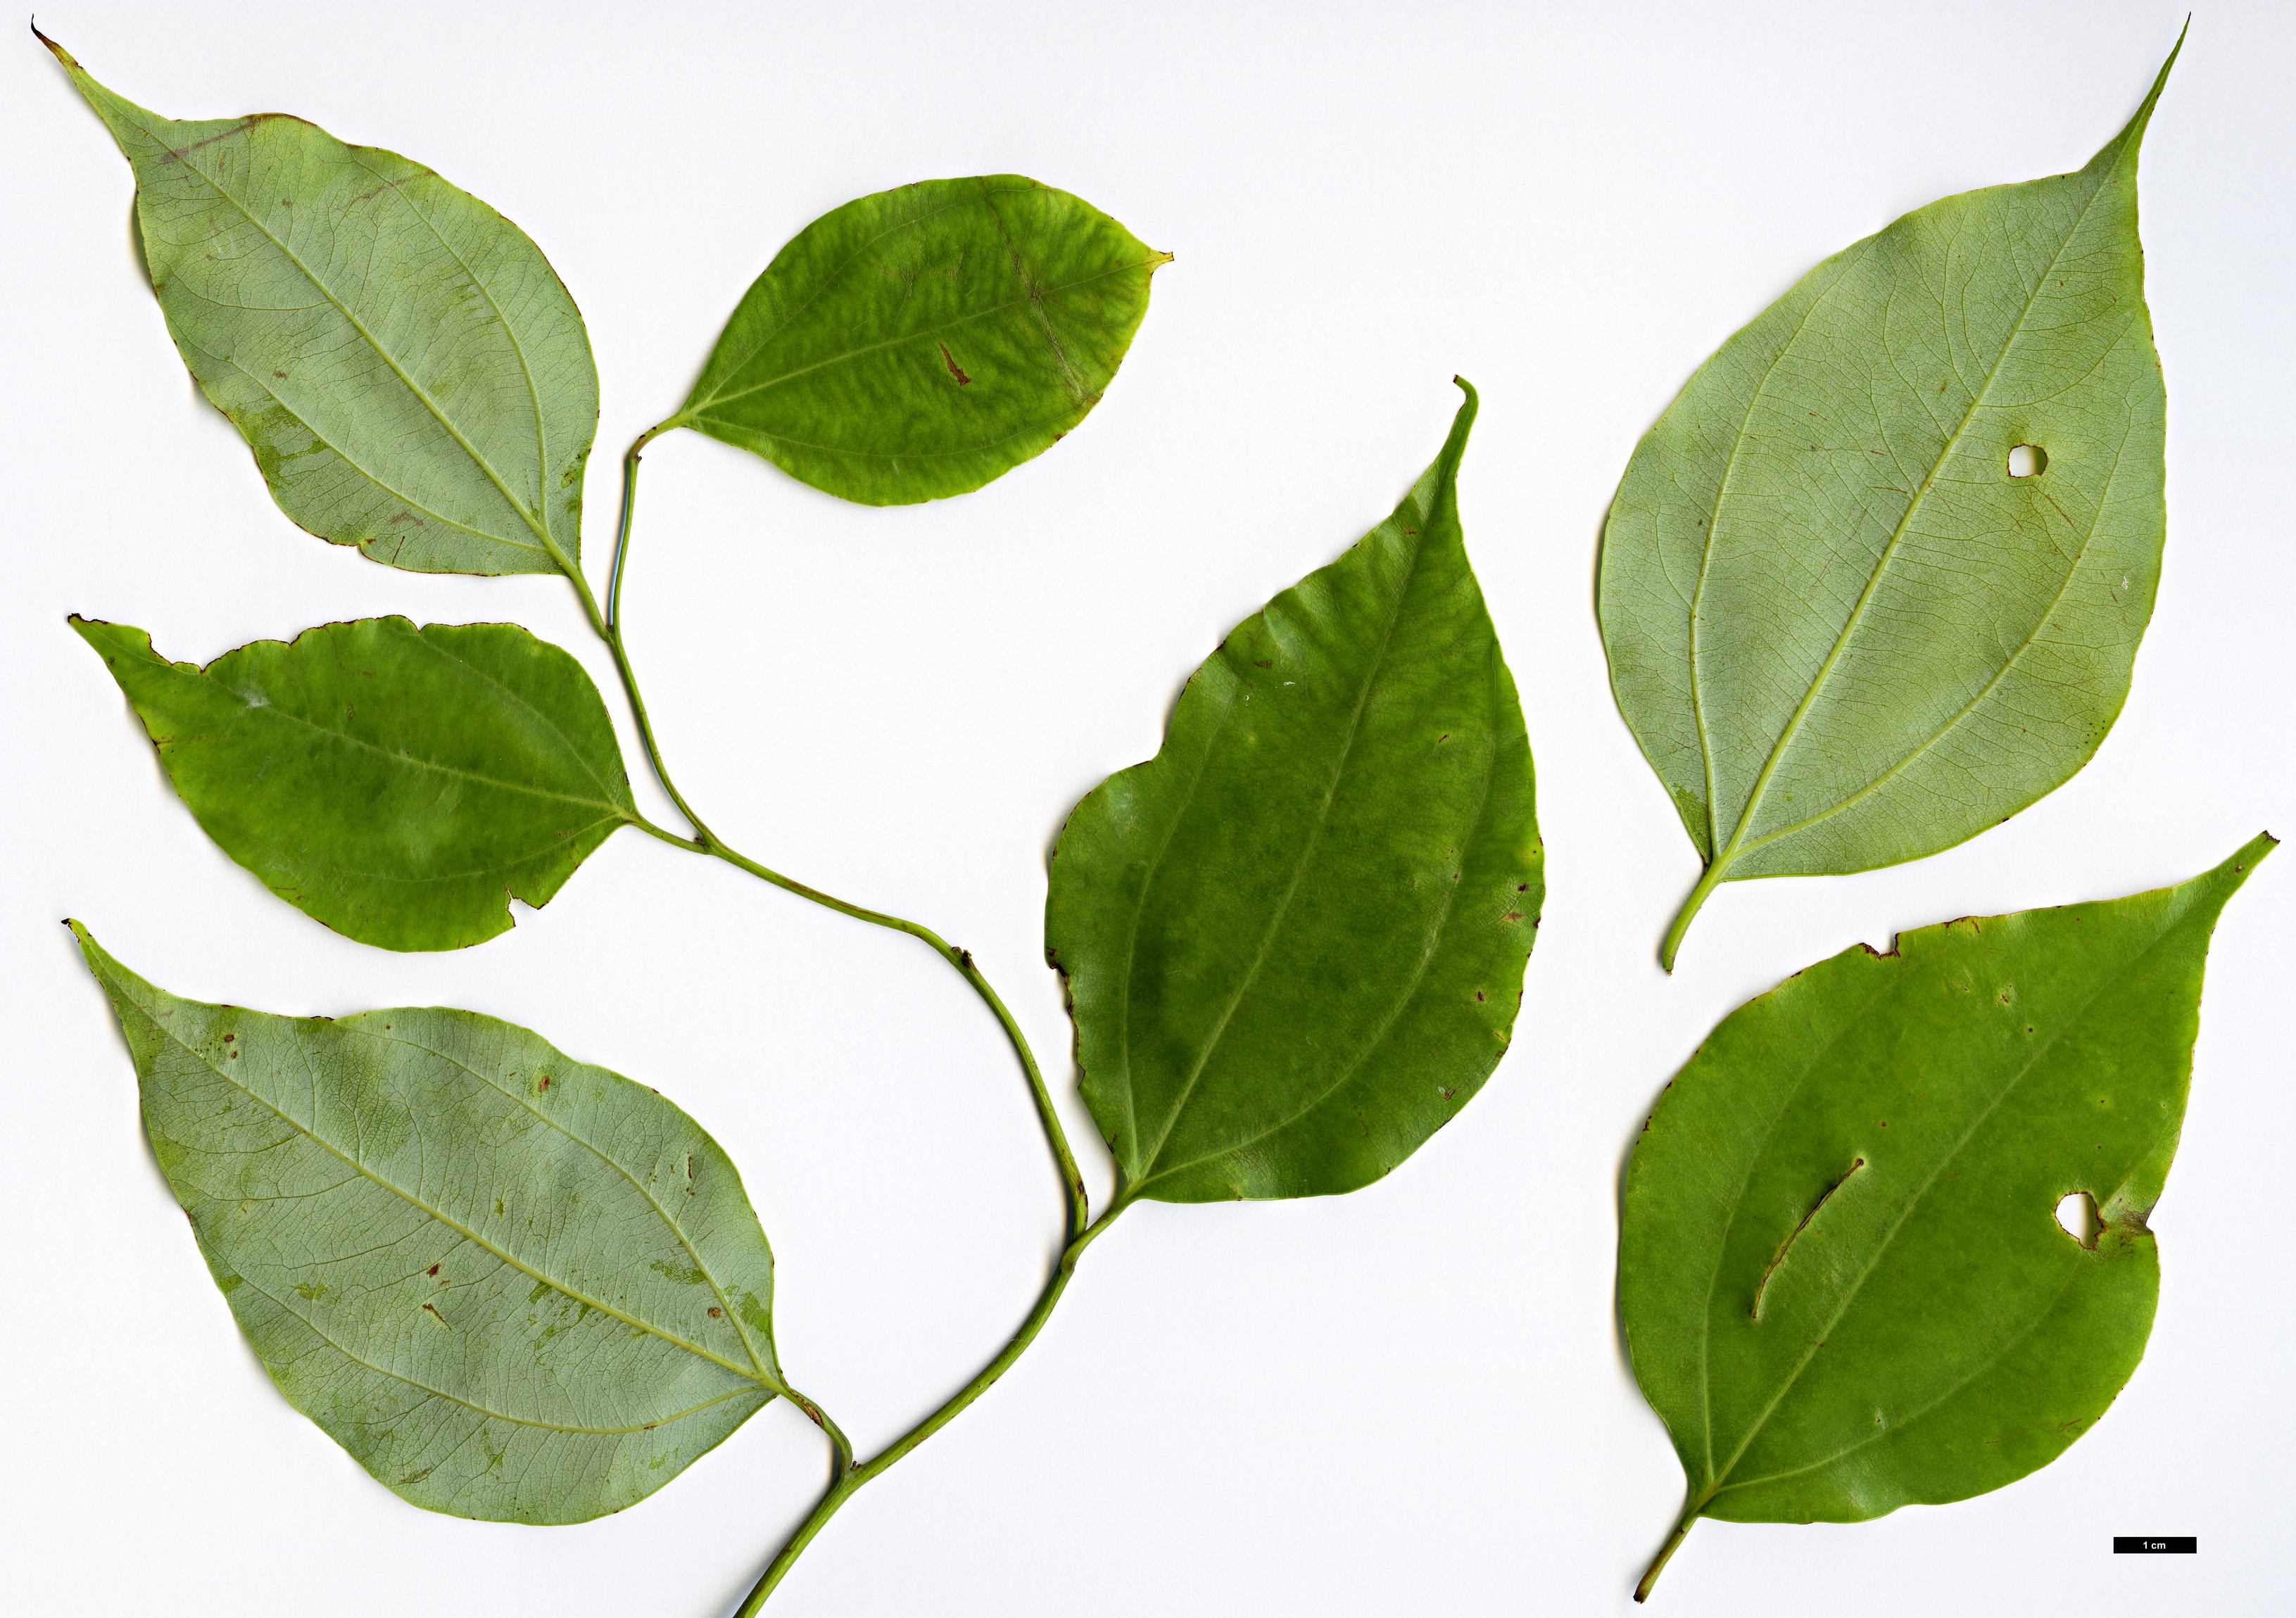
point(411, 374)
point(1841, 1273)
point(922, 341)
point(513, 1286)
point(1294, 940)
point(1845, 629)
point(401, 785)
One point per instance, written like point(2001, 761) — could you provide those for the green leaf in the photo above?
point(401, 785)
point(411, 374)
point(924, 342)
point(1294, 940)
point(1845, 633)
point(513, 1286)
point(1840, 1276)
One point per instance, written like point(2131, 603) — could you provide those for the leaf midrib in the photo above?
point(1433, 943)
point(428, 1392)
point(733, 1317)
point(513, 695)
point(614, 811)
point(2008, 665)
point(517, 346)
point(977, 446)
point(1306, 854)
point(828, 282)
point(345, 456)
point(1722, 858)
point(708, 411)
point(2072, 1274)
point(1865, 1271)
point(473, 1237)
point(539, 530)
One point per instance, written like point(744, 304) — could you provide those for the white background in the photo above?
point(1408, 1399)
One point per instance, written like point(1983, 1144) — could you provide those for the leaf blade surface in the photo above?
point(399, 785)
point(514, 1285)
point(924, 341)
point(411, 374)
point(1843, 634)
point(1294, 941)
point(1841, 1280)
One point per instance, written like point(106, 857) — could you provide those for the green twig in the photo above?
point(845, 1476)
point(609, 625)
point(846, 1480)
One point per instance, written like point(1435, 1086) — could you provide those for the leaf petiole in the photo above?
point(1708, 881)
point(841, 1446)
point(630, 460)
point(1665, 1553)
point(607, 624)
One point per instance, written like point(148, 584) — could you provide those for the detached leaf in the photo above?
point(411, 374)
point(1294, 940)
point(513, 1286)
point(401, 785)
point(1844, 628)
point(924, 342)
point(1843, 1285)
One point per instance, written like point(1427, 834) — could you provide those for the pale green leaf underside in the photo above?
point(513, 1286)
point(1840, 1276)
point(410, 373)
point(919, 342)
point(400, 785)
point(1294, 940)
point(1843, 634)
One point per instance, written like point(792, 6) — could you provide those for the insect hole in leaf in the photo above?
point(2077, 1214)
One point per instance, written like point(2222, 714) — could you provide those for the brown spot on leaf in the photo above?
point(379, 189)
point(949, 360)
point(241, 127)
